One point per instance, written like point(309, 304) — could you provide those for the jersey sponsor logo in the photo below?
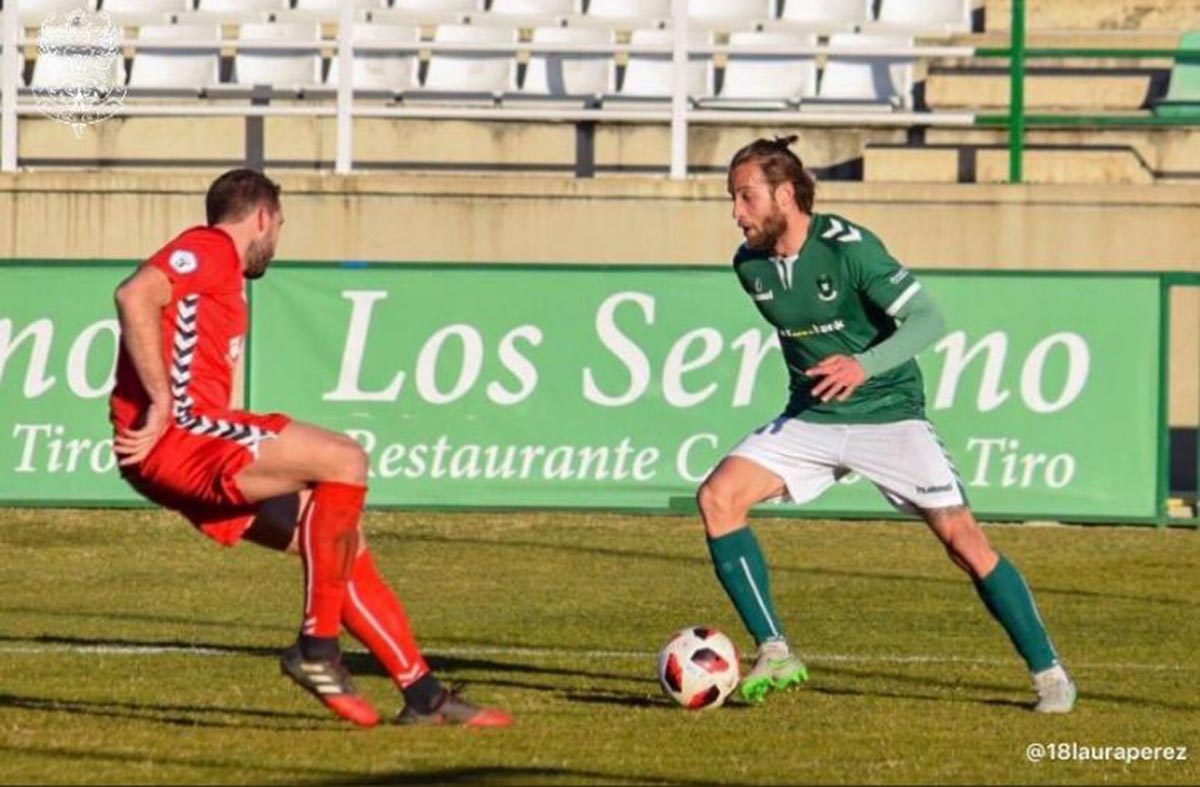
point(184, 261)
point(825, 289)
point(932, 490)
point(813, 330)
point(844, 233)
point(899, 276)
point(761, 293)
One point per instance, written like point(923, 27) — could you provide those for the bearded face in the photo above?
point(258, 257)
point(261, 250)
point(756, 207)
point(766, 232)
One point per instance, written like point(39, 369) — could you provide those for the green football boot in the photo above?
point(776, 669)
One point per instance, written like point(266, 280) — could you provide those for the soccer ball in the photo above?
point(698, 667)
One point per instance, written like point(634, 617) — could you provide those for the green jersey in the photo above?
point(838, 296)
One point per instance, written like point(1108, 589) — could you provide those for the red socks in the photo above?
point(341, 586)
point(374, 615)
point(328, 546)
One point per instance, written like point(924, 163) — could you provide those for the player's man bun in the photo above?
point(779, 165)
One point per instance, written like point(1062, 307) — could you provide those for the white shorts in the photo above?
point(905, 460)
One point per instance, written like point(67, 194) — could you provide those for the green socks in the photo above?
point(1007, 597)
point(743, 573)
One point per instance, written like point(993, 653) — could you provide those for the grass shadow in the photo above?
point(176, 715)
point(925, 680)
point(779, 568)
point(318, 775)
point(134, 617)
point(504, 774)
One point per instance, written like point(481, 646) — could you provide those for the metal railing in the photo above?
point(677, 112)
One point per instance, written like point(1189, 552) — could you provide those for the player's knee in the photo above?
point(708, 499)
point(718, 506)
point(348, 462)
point(969, 547)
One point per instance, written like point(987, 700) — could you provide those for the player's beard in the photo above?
point(258, 257)
point(772, 229)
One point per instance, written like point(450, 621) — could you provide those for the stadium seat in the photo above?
point(284, 69)
point(241, 6)
point(547, 10)
point(176, 69)
point(1183, 93)
point(144, 6)
point(729, 14)
point(434, 9)
point(764, 81)
point(648, 76)
point(629, 13)
point(565, 77)
point(54, 70)
point(825, 15)
point(333, 6)
point(867, 81)
point(469, 77)
point(390, 71)
point(916, 17)
point(43, 7)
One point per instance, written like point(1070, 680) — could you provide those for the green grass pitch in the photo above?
point(132, 651)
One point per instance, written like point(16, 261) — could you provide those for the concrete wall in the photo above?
point(388, 146)
point(629, 220)
point(1174, 15)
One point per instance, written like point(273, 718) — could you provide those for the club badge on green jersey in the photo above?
point(826, 290)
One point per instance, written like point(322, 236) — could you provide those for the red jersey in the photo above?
point(203, 330)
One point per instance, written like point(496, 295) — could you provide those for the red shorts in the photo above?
point(194, 470)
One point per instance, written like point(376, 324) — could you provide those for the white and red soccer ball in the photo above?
point(699, 668)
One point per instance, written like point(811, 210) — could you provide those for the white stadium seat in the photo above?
point(333, 6)
point(924, 16)
point(42, 7)
point(554, 75)
point(648, 76)
point(435, 8)
point(54, 70)
point(543, 8)
point(765, 81)
point(472, 75)
point(285, 69)
point(74, 67)
point(241, 6)
point(144, 6)
point(392, 70)
point(629, 10)
point(729, 14)
point(825, 15)
point(182, 69)
point(870, 81)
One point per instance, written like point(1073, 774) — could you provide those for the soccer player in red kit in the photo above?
point(263, 477)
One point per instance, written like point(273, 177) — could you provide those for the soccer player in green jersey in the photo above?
point(850, 321)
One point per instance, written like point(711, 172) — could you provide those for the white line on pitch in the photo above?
point(507, 650)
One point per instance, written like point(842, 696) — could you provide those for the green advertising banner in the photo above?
point(58, 343)
point(622, 387)
point(603, 387)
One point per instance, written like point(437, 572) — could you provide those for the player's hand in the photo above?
point(133, 445)
point(841, 375)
